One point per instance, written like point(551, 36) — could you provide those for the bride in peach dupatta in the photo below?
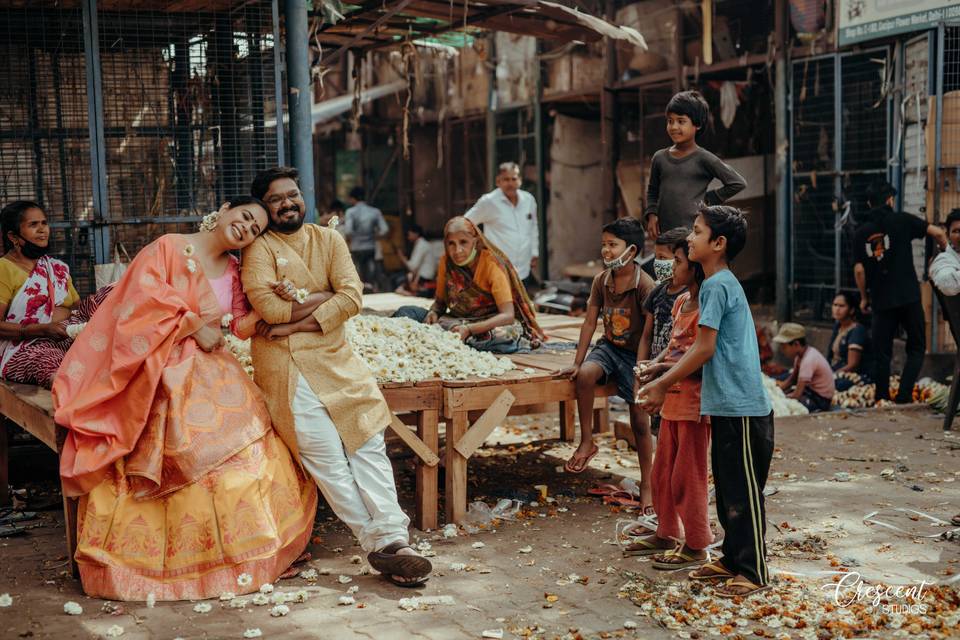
point(184, 486)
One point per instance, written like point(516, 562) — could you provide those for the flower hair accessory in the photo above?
point(334, 222)
point(209, 222)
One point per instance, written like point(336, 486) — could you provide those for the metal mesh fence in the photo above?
point(839, 147)
point(187, 109)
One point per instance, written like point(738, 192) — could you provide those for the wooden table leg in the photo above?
point(568, 420)
point(455, 496)
point(601, 416)
point(4, 463)
point(428, 478)
point(70, 523)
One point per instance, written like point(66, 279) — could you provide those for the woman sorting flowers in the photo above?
point(191, 494)
point(479, 295)
point(37, 299)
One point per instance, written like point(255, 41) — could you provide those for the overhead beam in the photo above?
point(397, 8)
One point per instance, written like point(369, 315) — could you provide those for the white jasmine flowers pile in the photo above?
point(403, 350)
point(782, 405)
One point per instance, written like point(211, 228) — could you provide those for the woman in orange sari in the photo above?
point(479, 295)
point(185, 490)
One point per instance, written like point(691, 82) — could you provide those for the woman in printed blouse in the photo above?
point(479, 295)
point(850, 341)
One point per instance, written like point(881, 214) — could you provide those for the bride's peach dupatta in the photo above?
point(122, 389)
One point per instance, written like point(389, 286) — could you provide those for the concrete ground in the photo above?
point(557, 572)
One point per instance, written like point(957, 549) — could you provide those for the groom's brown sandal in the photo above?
point(416, 569)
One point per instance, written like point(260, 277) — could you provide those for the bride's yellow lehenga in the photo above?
point(183, 484)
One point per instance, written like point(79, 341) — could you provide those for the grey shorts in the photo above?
point(617, 365)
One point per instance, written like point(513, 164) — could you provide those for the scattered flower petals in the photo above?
point(279, 610)
point(496, 634)
point(72, 608)
point(457, 566)
point(346, 601)
point(353, 589)
point(260, 599)
point(450, 530)
point(478, 545)
point(629, 624)
point(299, 596)
point(5, 600)
point(115, 631)
point(344, 579)
point(202, 607)
point(526, 549)
point(266, 588)
point(309, 574)
point(244, 580)
point(238, 603)
point(252, 633)
point(227, 596)
point(280, 598)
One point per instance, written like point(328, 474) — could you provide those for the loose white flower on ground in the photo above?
point(227, 595)
point(260, 599)
point(352, 590)
point(450, 530)
point(252, 633)
point(346, 601)
point(309, 574)
point(151, 600)
point(478, 545)
point(115, 631)
point(279, 610)
point(266, 588)
point(238, 603)
point(71, 608)
point(526, 549)
point(299, 596)
point(344, 579)
point(244, 579)
point(279, 598)
point(5, 600)
point(73, 330)
point(202, 607)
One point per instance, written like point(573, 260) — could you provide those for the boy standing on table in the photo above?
point(732, 395)
point(617, 293)
point(680, 174)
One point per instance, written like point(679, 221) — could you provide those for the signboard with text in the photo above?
point(862, 20)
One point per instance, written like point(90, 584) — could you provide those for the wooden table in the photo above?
point(535, 382)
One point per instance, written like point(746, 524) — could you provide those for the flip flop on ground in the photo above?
point(584, 461)
point(649, 546)
point(294, 569)
point(403, 570)
point(603, 490)
point(739, 586)
point(678, 559)
point(711, 571)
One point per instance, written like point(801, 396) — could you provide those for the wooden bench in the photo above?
point(31, 408)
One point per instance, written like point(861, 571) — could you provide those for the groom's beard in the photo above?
point(288, 225)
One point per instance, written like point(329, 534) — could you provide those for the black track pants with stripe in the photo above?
point(741, 451)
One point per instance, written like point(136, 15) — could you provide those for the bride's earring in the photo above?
point(209, 222)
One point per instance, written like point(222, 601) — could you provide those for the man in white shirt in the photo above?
point(945, 268)
point(363, 226)
point(509, 218)
point(421, 265)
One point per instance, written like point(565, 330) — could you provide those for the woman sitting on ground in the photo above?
point(479, 295)
point(849, 344)
point(186, 492)
point(37, 298)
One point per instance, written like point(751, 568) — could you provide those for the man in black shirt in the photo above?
point(888, 285)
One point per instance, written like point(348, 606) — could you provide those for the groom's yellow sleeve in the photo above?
point(347, 288)
point(257, 272)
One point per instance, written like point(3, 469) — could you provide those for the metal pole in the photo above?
point(98, 155)
point(278, 83)
point(938, 149)
point(300, 100)
point(541, 170)
point(491, 115)
point(782, 166)
point(838, 167)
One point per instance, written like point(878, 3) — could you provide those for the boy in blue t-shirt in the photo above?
point(732, 394)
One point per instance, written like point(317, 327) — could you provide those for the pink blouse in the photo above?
point(229, 292)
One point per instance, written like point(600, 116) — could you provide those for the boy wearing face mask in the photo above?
point(617, 295)
point(658, 305)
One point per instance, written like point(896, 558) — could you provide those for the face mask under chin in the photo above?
point(620, 261)
point(33, 251)
point(470, 258)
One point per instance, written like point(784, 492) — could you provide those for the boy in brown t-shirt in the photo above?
point(617, 295)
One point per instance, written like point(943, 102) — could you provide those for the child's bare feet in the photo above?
point(581, 457)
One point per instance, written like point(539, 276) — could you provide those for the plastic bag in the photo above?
point(480, 515)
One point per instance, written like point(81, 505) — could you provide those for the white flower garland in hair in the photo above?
point(334, 222)
point(209, 222)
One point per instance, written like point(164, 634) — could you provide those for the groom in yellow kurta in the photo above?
point(324, 401)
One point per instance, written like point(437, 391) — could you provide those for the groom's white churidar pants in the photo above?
point(360, 487)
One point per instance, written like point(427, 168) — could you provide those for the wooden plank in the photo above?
point(417, 398)
point(482, 428)
point(428, 477)
point(70, 523)
point(416, 444)
point(31, 408)
point(455, 490)
point(457, 398)
point(568, 420)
